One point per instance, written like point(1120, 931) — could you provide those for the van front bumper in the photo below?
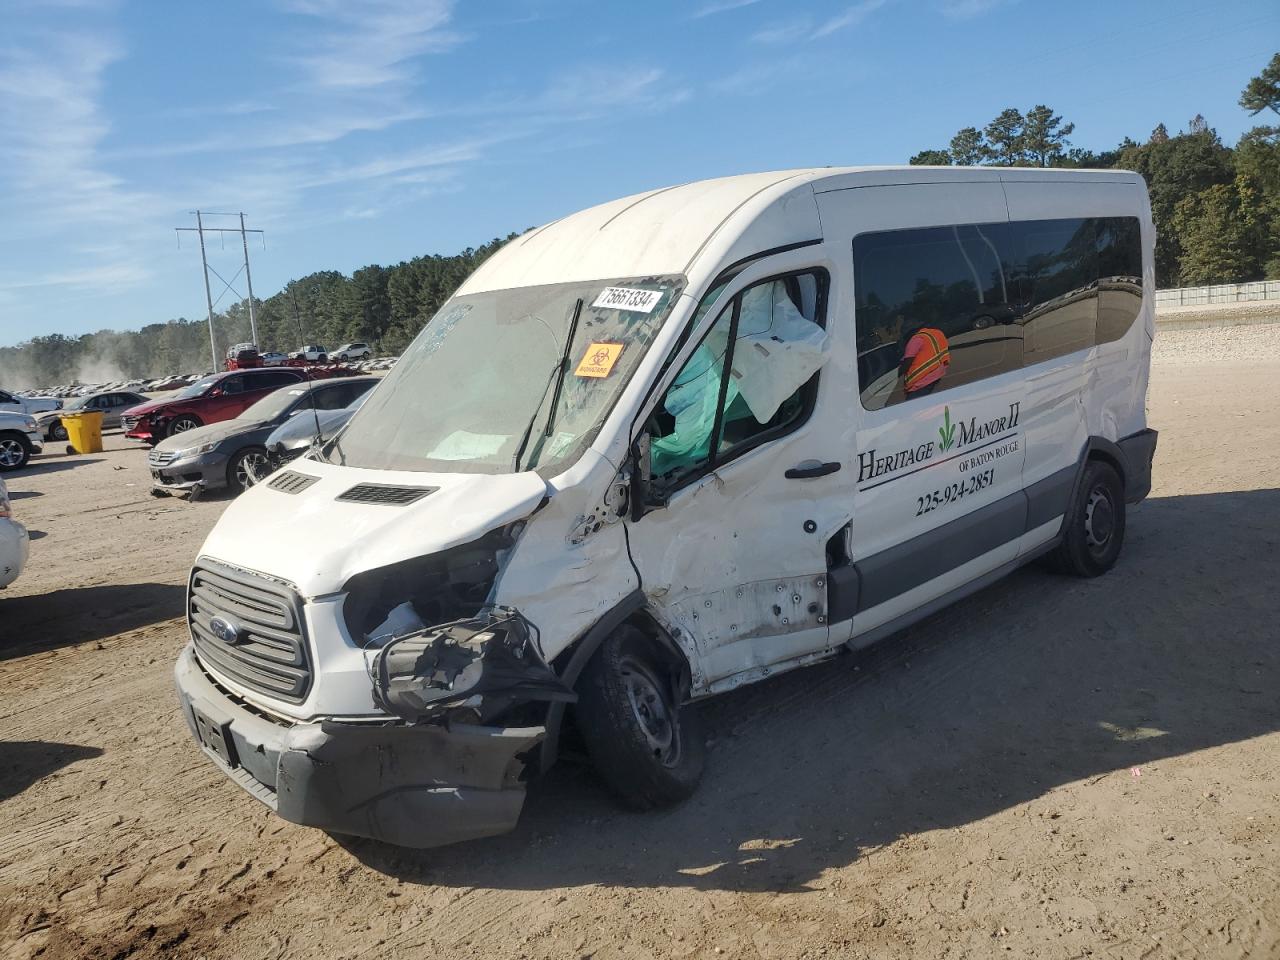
point(412, 786)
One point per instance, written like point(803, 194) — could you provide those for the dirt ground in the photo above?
point(1053, 768)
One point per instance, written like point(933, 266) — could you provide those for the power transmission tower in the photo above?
point(200, 229)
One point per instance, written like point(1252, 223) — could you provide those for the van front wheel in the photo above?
point(648, 750)
point(1094, 530)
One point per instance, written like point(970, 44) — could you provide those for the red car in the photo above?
point(219, 396)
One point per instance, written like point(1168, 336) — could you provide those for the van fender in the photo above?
point(581, 654)
point(1095, 448)
point(577, 662)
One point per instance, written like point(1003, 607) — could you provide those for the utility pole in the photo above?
point(208, 297)
point(248, 280)
point(200, 229)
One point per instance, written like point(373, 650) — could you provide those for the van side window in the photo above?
point(1058, 269)
point(943, 306)
point(753, 378)
point(1119, 276)
point(936, 308)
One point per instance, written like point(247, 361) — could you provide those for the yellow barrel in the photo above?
point(84, 430)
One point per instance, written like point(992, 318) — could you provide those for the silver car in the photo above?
point(110, 403)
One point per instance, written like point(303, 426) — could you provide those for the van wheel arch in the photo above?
point(631, 610)
point(1100, 449)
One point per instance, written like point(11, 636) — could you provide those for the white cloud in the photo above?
point(966, 9)
point(803, 28)
point(851, 17)
point(788, 31)
point(51, 126)
point(366, 44)
point(720, 6)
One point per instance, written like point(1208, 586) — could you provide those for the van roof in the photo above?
point(666, 231)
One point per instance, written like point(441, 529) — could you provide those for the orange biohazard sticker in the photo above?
point(599, 359)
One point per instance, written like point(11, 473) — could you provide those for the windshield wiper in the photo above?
point(557, 373)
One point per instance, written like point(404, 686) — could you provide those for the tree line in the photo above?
point(1216, 208)
point(382, 306)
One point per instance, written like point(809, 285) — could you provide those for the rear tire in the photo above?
point(647, 749)
point(1094, 525)
point(14, 451)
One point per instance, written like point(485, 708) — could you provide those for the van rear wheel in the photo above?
point(1094, 532)
point(647, 749)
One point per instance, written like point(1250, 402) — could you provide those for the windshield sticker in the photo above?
point(599, 359)
point(628, 298)
point(463, 445)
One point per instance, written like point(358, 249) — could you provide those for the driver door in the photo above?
point(746, 483)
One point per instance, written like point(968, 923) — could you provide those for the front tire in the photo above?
point(14, 451)
point(58, 431)
point(1094, 533)
point(182, 424)
point(647, 749)
point(247, 468)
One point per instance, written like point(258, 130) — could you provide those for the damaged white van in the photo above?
point(661, 448)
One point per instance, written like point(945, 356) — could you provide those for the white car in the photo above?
point(20, 437)
point(312, 351)
point(273, 359)
point(353, 351)
point(12, 403)
point(13, 542)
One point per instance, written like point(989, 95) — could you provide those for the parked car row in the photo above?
point(13, 403)
point(233, 453)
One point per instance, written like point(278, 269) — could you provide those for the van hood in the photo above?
point(317, 542)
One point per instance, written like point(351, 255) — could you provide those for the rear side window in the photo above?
point(1058, 270)
point(940, 307)
point(1119, 276)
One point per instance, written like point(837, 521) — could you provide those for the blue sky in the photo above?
point(371, 131)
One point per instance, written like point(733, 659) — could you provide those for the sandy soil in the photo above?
point(1052, 768)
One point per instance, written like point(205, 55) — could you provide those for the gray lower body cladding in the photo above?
point(859, 586)
point(412, 786)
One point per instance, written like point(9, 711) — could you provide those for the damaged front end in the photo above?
point(463, 691)
point(440, 649)
point(474, 670)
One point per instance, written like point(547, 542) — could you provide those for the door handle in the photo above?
point(811, 469)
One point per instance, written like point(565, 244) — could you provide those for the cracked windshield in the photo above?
point(509, 380)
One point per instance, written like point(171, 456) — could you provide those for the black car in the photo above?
point(233, 453)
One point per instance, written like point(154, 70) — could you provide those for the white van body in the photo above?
point(851, 510)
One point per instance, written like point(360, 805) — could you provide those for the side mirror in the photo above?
point(641, 472)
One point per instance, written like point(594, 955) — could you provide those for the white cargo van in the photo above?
point(661, 448)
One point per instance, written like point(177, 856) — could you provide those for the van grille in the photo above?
point(385, 493)
point(267, 647)
point(292, 482)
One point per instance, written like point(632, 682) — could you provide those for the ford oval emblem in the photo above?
point(224, 629)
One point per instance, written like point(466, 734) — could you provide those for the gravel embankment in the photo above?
point(1258, 342)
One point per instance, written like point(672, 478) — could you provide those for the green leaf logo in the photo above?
point(948, 429)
